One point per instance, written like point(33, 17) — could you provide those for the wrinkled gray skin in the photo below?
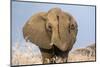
point(54, 32)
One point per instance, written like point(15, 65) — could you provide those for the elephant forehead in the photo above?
point(52, 19)
point(54, 10)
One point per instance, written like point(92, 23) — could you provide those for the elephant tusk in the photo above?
point(51, 44)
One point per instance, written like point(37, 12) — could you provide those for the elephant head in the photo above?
point(63, 29)
point(53, 28)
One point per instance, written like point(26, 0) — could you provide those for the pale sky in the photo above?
point(84, 15)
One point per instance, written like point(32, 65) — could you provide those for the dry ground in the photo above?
point(20, 57)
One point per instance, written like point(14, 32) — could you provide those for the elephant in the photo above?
point(54, 32)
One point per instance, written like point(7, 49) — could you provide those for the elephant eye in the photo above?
point(72, 26)
point(49, 28)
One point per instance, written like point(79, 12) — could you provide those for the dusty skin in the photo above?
point(54, 32)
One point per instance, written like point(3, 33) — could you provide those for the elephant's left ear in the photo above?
point(43, 16)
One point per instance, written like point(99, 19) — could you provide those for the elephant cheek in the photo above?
point(65, 45)
point(54, 37)
point(55, 40)
point(62, 46)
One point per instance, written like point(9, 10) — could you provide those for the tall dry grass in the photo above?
point(83, 54)
point(24, 55)
point(27, 54)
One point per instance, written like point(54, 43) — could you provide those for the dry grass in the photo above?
point(25, 55)
point(79, 57)
point(83, 54)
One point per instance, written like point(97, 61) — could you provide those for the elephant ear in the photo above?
point(35, 31)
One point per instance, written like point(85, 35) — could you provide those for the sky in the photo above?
point(84, 15)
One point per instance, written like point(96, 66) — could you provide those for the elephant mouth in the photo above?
point(61, 46)
point(58, 52)
point(55, 51)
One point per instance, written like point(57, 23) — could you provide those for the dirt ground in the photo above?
point(28, 57)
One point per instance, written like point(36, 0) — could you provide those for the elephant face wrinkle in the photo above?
point(58, 27)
